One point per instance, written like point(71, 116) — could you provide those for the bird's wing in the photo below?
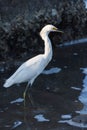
point(27, 70)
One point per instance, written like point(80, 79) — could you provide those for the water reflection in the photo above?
point(16, 124)
point(40, 118)
point(52, 71)
point(83, 95)
point(81, 119)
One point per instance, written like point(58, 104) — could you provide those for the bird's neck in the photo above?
point(48, 48)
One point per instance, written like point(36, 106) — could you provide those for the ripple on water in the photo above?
point(41, 118)
point(16, 124)
point(52, 71)
point(83, 95)
point(71, 122)
point(19, 100)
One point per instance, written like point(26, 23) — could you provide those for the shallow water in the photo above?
point(59, 94)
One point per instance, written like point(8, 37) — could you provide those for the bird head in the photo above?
point(47, 29)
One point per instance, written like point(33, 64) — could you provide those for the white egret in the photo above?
point(33, 67)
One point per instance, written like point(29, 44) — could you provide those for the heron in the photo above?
point(33, 67)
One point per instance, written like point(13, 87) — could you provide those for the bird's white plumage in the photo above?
point(29, 70)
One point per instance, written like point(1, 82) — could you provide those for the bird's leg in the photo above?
point(24, 94)
point(30, 96)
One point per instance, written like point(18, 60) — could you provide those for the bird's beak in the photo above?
point(57, 30)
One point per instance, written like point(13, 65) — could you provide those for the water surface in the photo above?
point(59, 94)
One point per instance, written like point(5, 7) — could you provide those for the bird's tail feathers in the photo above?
point(9, 82)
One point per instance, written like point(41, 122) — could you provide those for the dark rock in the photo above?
point(21, 21)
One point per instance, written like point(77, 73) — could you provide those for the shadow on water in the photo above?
point(59, 95)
